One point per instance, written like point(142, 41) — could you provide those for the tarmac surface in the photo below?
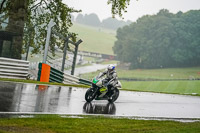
point(19, 98)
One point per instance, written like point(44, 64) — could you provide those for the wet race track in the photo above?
point(31, 98)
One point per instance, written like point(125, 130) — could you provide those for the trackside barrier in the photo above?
point(50, 74)
point(43, 72)
point(85, 82)
point(70, 79)
point(12, 68)
point(56, 75)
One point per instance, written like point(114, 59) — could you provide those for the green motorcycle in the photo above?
point(99, 91)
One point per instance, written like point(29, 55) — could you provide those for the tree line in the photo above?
point(93, 20)
point(161, 40)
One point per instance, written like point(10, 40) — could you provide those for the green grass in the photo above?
point(42, 83)
point(95, 39)
point(93, 124)
point(173, 87)
point(168, 73)
point(110, 62)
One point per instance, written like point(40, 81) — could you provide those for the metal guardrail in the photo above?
point(85, 82)
point(12, 68)
point(70, 79)
point(57, 76)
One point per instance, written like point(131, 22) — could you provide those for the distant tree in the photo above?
point(113, 23)
point(187, 43)
point(80, 18)
point(92, 19)
point(161, 40)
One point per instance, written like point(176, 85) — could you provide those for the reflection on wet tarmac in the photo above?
point(99, 108)
point(31, 98)
point(17, 97)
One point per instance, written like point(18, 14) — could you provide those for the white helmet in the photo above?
point(111, 67)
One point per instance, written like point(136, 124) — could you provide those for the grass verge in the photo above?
point(168, 73)
point(43, 83)
point(186, 87)
point(93, 124)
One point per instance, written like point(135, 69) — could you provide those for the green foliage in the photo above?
point(161, 40)
point(118, 6)
point(40, 15)
point(37, 14)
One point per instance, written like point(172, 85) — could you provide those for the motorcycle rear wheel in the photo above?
point(89, 95)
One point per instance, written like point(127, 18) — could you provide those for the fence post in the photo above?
point(75, 55)
point(50, 25)
point(65, 52)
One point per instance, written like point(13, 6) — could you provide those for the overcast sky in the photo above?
point(136, 9)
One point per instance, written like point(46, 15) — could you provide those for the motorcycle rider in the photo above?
point(111, 79)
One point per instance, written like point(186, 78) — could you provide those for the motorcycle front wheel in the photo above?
point(89, 95)
point(115, 96)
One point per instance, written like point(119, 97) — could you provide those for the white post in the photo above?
point(50, 25)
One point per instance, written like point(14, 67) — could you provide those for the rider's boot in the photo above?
point(111, 93)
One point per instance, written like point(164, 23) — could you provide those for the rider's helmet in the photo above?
point(111, 67)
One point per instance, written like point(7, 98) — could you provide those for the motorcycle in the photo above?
point(99, 91)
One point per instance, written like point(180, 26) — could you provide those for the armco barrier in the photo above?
point(43, 72)
point(50, 74)
point(56, 75)
point(12, 68)
point(85, 82)
point(70, 79)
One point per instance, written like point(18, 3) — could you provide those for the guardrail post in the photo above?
point(50, 25)
point(75, 55)
point(65, 53)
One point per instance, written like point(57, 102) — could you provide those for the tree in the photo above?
point(161, 40)
point(113, 23)
point(16, 11)
point(80, 19)
point(32, 17)
point(92, 19)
